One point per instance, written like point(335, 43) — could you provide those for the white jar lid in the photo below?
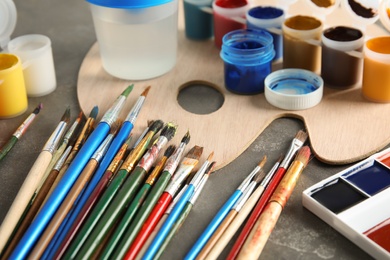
point(322, 10)
point(293, 89)
point(360, 20)
point(8, 17)
point(383, 15)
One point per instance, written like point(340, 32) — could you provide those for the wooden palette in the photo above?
point(343, 128)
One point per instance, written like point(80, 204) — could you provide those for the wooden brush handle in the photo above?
point(260, 233)
point(24, 195)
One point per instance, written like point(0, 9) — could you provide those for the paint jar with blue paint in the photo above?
point(271, 19)
point(137, 39)
point(198, 23)
point(247, 56)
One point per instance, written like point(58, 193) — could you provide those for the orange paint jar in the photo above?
point(376, 69)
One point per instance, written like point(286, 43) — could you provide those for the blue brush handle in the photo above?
point(44, 216)
point(168, 223)
point(210, 229)
point(116, 144)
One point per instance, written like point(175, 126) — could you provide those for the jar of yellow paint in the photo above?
point(376, 69)
point(13, 96)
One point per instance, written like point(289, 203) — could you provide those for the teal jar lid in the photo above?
point(128, 4)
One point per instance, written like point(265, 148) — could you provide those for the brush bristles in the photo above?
point(150, 122)
point(301, 136)
point(281, 157)
point(210, 157)
point(186, 138)
point(94, 112)
point(169, 151)
point(66, 115)
point(303, 155)
point(263, 161)
point(209, 169)
point(258, 176)
point(195, 152)
point(115, 127)
point(38, 108)
point(169, 131)
point(146, 91)
point(156, 126)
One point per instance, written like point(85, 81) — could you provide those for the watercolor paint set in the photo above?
point(355, 202)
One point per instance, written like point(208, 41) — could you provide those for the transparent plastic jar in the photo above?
point(247, 56)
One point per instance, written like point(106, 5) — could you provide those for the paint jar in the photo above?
point(301, 47)
point(384, 14)
point(361, 12)
point(38, 66)
point(247, 56)
point(228, 16)
point(338, 68)
point(137, 39)
point(198, 23)
point(376, 69)
point(13, 97)
point(271, 19)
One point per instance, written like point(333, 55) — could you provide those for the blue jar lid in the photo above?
point(126, 4)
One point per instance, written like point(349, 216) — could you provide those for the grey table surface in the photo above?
point(299, 234)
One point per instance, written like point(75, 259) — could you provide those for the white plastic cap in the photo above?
point(293, 96)
point(383, 15)
point(8, 18)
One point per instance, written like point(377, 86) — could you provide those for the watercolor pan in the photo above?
point(355, 203)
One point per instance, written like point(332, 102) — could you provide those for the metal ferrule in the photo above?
point(113, 112)
point(198, 176)
point(118, 157)
point(180, 175)
point(23, 127)
point(157, 169)
point(142, 135)
point(244, 197)
point(151, 155)
point(132, 158)
point(175, 200)
point(295, 146)
point(248, 179)
point(101, 151)
point(174, 160)
point(55, 137)
point(198, 189)
point(62, 159)
point(134, 112)
point(269, 175)
point(70, 132)
point(83, 134)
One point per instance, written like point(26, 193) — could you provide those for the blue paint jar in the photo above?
point(269, 18)
point(247, 56)
point(198, 23)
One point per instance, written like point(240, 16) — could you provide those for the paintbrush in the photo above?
point(65, 238)
point(49, 208)
point(120, 138)
point(165, 199)
point(230, 216)
point(126, 193)
point(296, 144)
point(163, 232)
point(152, 198)
point(19, 132)
point(186, 211)
point(109, 193)
point(136, 204)
point(72, 195)
point(32, 180)
point(263, 227)
point(223, 211)
point(242, 215)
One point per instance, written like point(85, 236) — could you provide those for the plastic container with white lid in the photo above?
point(362, 12)
point(384, 14)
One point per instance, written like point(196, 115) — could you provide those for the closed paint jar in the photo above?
point(271, 19)
point(137, 39)
point(298, 52)
point(376, 69)
point(338, 68)
point(226, 14)
point(247, 56)
point(198, 24)
point(13, 96)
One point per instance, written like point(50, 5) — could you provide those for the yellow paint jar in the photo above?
point(13, 96)
point(376, 69)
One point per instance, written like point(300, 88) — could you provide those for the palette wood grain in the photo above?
point(343, 128)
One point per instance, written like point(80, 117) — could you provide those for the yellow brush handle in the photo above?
point(64, 209)
point(235, 225)
point(24, 195)
point(260, 232)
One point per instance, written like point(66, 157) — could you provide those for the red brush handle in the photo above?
point(256, 213)
point(149, 225)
